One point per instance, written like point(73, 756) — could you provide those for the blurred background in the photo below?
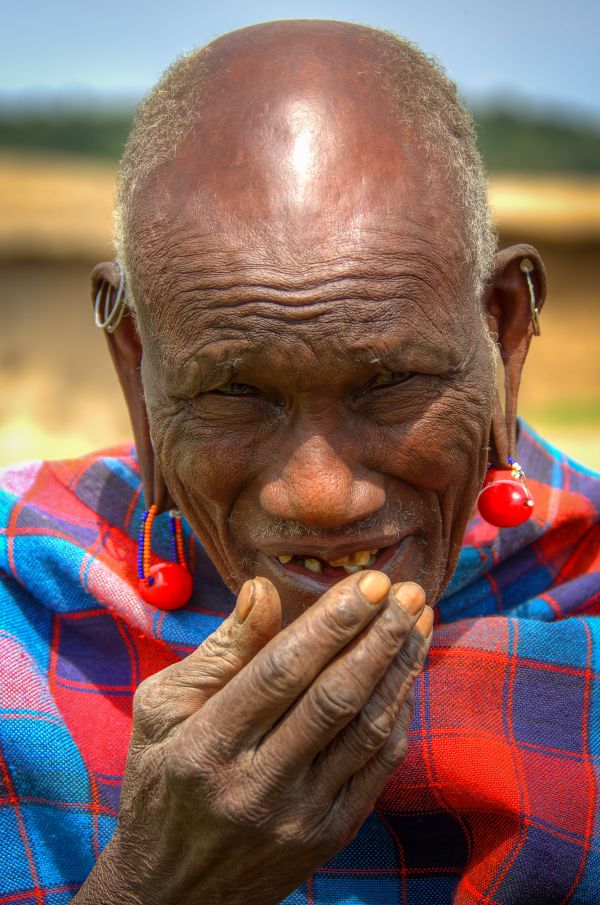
point(72, 74)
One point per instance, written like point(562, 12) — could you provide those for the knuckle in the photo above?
point(343, 615)
point(411, 658)
point(392, 754)
point(373, 727)
point(187, 762)
point(244, 805)
point(147, 698)
point(282, 671)
point(391, 631)
point(217, 644)
point(334, 705)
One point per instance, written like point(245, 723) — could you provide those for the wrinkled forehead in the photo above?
point(301, 229)
point(304, 191)
point(295, 153)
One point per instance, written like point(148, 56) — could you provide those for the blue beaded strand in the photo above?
point(172, 529)
point(140, 557)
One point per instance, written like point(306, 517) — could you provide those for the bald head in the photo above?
point(283, 126)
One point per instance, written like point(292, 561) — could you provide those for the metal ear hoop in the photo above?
point(111, 316)
point(527, 268)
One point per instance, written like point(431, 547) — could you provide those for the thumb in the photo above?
point(255, 620)
point(167, 698)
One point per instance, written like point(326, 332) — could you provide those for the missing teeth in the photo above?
point(352, 562)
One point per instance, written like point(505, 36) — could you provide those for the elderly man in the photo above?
point(304, 319)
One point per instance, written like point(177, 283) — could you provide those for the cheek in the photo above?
point(446, 442)
point(443, 453)
point(210, 460)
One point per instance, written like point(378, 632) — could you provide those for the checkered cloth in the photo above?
point(497, 801)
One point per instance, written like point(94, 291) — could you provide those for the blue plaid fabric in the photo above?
point(497, 801)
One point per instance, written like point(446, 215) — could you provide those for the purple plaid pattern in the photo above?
point(497, 801)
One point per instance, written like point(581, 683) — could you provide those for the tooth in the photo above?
point(285, 558)
point(372, 560)
point(338, 562)
point(361, 558)
point(351, 568)
point(313, 565)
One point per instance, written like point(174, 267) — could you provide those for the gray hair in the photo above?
point(424, 96)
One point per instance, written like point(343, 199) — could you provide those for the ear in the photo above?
point(126, 352)
point(508, 302)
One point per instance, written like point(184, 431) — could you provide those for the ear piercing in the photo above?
point(111, 317)
point(527, 268)
point(504, 500)
point(166, 585)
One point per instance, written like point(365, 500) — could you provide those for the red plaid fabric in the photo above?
point(497, 801)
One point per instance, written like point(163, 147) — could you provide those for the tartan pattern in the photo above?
point(496, 802)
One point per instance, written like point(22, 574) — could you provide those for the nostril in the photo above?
point(318, 487)
point(323, 503)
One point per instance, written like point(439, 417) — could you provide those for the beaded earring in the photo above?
point(166, 585)
point(504, 500)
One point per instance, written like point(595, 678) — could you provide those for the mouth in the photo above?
point(328, 570)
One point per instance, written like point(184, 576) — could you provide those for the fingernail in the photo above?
point(245, 601)
point(374, 586)
point(424, 623)
point(410, 596)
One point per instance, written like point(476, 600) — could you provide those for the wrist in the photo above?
point(108, 882)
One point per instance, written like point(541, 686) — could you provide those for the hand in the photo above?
point(259, 756)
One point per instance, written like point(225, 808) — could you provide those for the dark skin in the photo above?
point(311, 376)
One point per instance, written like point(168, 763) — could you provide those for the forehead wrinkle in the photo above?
point(394, 342)
point(186, 259)
point(210, 305)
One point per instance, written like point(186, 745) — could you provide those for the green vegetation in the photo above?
point(101, 135)
point(511, 140)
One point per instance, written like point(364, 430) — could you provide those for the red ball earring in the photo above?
point(166, 585)
point(504, 500)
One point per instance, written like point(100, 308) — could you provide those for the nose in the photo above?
point(318, 488)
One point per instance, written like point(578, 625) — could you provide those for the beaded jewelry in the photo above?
point(504, 500)
point(166, 585)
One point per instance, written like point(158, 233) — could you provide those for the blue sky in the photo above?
point(546, 51)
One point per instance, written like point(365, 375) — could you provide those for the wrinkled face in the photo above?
point(316, 371)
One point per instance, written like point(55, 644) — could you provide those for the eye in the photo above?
point(236, 389)
point(391, 378)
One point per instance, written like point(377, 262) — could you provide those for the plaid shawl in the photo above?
point(497, 801)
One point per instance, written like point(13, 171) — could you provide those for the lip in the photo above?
point(330, 551)
point(317, 583)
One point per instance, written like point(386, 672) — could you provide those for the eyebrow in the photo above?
point(205, 367)
point(412, 354)
point(216, 359)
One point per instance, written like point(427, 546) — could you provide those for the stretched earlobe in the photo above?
point(513, 299)
point(126, 352)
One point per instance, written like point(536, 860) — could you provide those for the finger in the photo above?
point(254, 621)
point(357, 798)
point(170, 696)
point(344, 689)
point(370, 730)
point(249, 705)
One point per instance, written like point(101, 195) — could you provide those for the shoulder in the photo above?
point(45, 504)
point(556, 473)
